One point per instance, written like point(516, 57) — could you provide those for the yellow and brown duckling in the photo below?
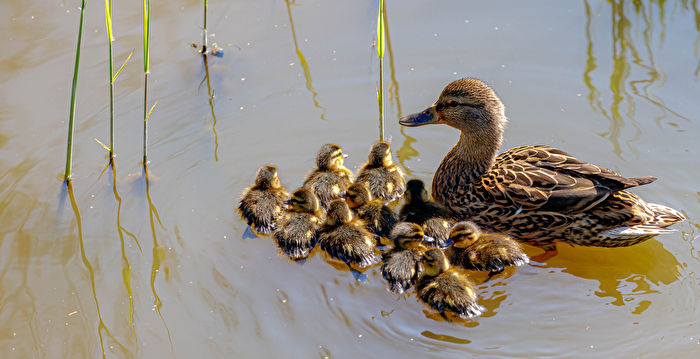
point(262, 203)
point(445, 288)
point(379, 218)
point(384, 178)
point(437, 231)
point(418, 207)
point(298, 227)
point(401, 265)
point(330, 178)
point(346, 238)
point(539, 194)
point(473, 249)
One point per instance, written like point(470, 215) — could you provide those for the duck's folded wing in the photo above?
point(548, 179)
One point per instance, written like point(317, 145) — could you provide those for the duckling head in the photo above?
point(358, 195)
point(415, 191)
point(434, 262)
point(470, 106)
point(303, 200)
point(407, 235)
point(380, 155)
point(267, 177)
point(330, 157)
point(464, 234)
point(338, 213)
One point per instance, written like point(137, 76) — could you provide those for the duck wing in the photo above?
point(549, 179)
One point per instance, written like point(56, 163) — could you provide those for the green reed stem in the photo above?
point(110, 40)
point(71, 117)
point(146, 69)
point(380, 53)
point(204, 40)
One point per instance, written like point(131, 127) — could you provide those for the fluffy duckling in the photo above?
point(444, 288)
point(346, 238)
point(472, 249)
point(384, 178)
point(379, 218)
point(401, 266)
point(418, 207)
point(297, 229)
point(330, 179)
point(262, 203)
point(437, 231)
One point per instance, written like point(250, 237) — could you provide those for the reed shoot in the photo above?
point(146, 69)
point(71, 117)
point(205, 36)
point(380, 53)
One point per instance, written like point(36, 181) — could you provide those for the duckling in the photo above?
point(446, 289)
point(346, 238)
point(401, 266)
point(262, 203)
point(384, 178)
point(418, 207)
point(437, 231)
point(379, 218)
point(538, 194)
point(297, 229)
point(472, 249)
point(330, 179)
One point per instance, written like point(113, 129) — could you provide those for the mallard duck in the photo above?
point(446, 289)
point(297, 228)
point(330, 178)
point(401, 265)
point(262, 203)
point(418, 207)
point(379, 218)
point(383, 176)
point(346, 238)
point(473, 249)
point(437, 231)
point(539, 195)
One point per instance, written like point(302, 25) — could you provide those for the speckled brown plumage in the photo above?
point(262, 203)
point(537, 194)
point(384, 178)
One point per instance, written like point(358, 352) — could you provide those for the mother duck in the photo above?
point(538, 194)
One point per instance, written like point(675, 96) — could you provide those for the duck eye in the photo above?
point(453, 103)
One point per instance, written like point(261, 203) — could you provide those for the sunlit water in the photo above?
point(161, 268)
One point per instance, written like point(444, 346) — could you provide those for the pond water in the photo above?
point(163, 268)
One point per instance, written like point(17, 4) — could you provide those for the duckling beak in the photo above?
point(288, 202)
point(426, 117)
point(345, 155)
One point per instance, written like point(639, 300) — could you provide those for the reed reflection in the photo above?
point(211, 105)
point(86, 262)
point(158, 252)
point(635, 71)
point(406, 152)
point(302, 60)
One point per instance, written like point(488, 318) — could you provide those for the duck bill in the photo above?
point(426, 117)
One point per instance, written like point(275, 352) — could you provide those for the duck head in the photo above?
point(330, 157)
point(470, 106)
point(358, 194)
point(464, 234)
point(303, 200)
point(415, 191)
point(380, 155)
point(267, 177)
point(434, 262)
point(338, 213)
point(407, 235)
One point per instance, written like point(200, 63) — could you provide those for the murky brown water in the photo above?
point(162, 270)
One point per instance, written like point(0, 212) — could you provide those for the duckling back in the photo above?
point(296, 233)
point(385, 183)
point(262, 203)
point(491, 251)
point(351, 243)
point(401, 267)
point(379, 218)
point(328, 185)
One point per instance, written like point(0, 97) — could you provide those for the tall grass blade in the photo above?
point(71, 117)
point(380, 53)
point(205, 36)
point(122, 67)
point(146, 69)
